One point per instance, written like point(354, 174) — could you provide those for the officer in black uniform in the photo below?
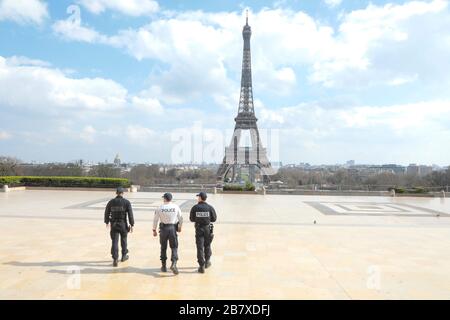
point(203, 214)
point(116, 212)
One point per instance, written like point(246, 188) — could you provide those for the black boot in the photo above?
point(125, 258)
point(174, 268)
point(163, 266)
point(115, 263)
point(201, 269)
point(207, 264)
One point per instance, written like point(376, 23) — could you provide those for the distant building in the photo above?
point(425, 170)
point(418, 170)
point(350, 163)
point(412, 170)
point(393, 168)
point(117, 161)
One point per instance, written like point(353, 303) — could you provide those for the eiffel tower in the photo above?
point(238, 159)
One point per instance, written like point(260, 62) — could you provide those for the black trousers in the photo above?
point(118, 229)
point(203, 239)
point(168, 233)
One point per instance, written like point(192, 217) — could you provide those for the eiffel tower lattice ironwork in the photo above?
point(253, 158)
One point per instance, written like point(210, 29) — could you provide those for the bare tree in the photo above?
point(145, 174)
point(9, 166)
point(105, 171)
point(69, 170)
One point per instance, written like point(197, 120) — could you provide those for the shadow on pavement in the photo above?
point(154, 272)
point(107, 268)
point(104, 263)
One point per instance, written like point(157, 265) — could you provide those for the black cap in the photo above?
point(120, 190)
point(202, 195)
point(167, 196)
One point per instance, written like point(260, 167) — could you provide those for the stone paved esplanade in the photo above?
point(265, 247)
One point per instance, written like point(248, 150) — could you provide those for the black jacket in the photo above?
point(118, 209)
point(202, 214)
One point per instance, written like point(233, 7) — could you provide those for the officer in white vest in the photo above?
point(171, 220)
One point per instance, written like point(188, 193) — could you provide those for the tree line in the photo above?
point(296, 177)
point(140, 174)
point(156, 174)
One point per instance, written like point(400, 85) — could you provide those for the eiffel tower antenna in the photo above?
point(254, 158)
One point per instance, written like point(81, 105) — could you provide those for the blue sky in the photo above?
point(333, 80)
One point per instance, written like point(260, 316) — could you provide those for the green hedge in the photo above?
point(10, 181)
point(236, 187)
point(84, 182)
point(231, 187)
point(417, 190)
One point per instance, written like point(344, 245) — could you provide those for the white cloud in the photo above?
point(397, 133)
point(24, 11)
point(140, 135)
point(286, 75)
point(88, 134)
point(127, 7)
point(229, 99)
point(4, 135)
point(46, 90)
point(73, 30)
point(333, 3)
point(394, 45)
point(409, 121)
point(268, 116)
point(390, 46)
point(149, 105)
point(398, 81)
point(37, 87)
point(431, 116)
point(195, 68)
point(278, 81)
point(380, 43)
point(24, 61)
point(387, 45)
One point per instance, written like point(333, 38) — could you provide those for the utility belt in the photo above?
point(118, 217)
point(201, 225)
point(161, 225)
point(210, 225)
point(118, 221)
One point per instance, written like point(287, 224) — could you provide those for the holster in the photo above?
point(211, 231)
point(116, 223)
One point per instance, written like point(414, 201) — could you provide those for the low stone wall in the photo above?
point(237, 192)
point(75, 189)
point(176, 189)
point(329, 193)
point(9, 189)
point(212, 190)
point(356, 193)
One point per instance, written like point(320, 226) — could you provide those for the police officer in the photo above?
point(203, 214)
point(116, 213)
point(171, 221)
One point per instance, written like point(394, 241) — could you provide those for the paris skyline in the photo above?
point(339, 80)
